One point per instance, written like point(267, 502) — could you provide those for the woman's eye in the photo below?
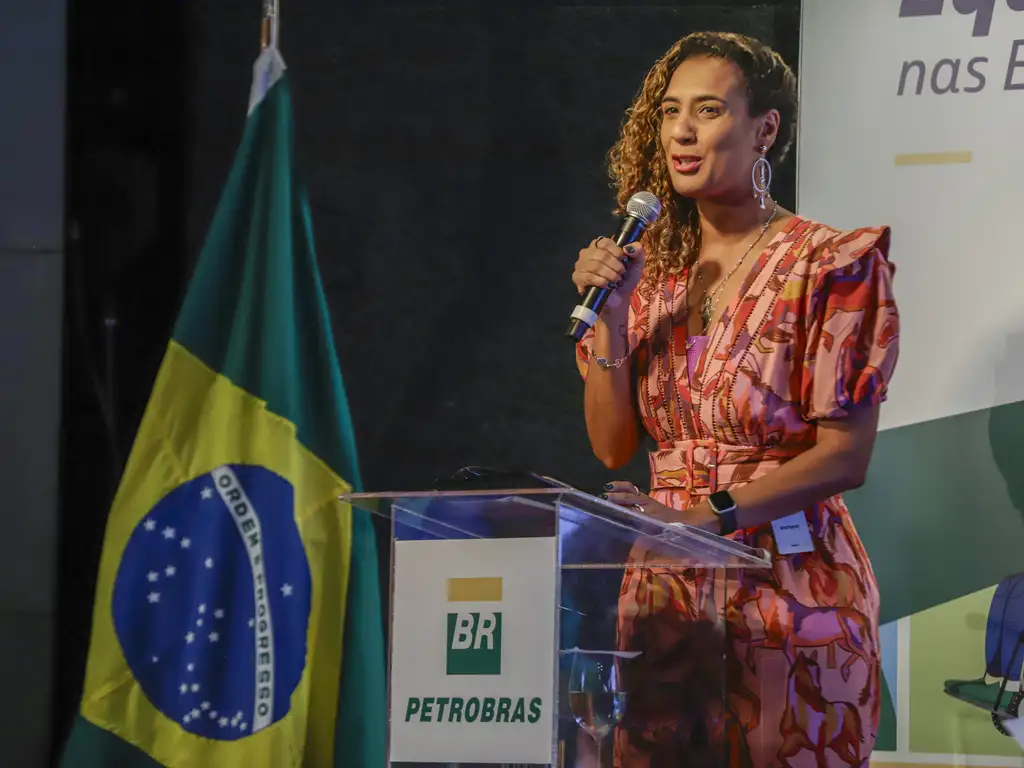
point(707, 109)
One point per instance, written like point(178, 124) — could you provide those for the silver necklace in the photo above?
point(677, 400)
point(707, 308)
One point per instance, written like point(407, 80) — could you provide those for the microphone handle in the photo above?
point(630, 231)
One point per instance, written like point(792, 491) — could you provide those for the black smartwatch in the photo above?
point(723, 505)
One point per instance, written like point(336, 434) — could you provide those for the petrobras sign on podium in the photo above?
point(473, 651)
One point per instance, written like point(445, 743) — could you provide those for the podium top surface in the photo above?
point(593, 532)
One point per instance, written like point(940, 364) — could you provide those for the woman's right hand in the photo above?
point(603, 263)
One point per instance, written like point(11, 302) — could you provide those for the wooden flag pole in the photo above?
point(269, 24)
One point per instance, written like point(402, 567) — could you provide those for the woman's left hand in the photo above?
point(625, 494)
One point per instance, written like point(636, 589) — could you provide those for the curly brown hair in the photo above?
point(637, 162)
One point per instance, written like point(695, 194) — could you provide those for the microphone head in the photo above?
point(644, 206)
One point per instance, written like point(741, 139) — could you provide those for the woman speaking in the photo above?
point(755, 347)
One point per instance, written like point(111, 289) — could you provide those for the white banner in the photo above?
point(473, 651)
point(912, 114)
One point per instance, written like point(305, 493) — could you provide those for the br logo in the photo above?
point(474, 634)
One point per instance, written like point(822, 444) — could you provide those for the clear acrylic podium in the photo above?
point(594, 544)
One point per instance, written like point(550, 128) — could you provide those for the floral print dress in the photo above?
point(813, 332)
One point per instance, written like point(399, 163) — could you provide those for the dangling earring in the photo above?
point(761, 176)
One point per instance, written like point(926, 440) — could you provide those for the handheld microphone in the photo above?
point(642, 210)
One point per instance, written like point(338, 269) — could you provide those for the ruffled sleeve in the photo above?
point(852, 325)
point(636, 324)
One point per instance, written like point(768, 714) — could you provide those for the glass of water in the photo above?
point(597, 699)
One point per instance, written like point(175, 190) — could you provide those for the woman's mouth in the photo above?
point(686, 164)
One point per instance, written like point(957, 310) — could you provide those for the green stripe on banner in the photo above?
point(942, 511)
point(942, 516)
point(886, 739)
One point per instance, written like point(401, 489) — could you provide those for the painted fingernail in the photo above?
point(625, 261)
point(604, 495)
point(608, 486)
point(629, 249)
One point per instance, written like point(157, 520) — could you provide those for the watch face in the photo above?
point(721, 501)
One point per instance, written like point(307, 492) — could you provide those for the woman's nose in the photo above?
point(683, 130)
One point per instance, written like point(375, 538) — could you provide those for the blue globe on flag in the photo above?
point(211, 602)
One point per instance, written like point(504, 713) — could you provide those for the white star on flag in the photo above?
point(191, 667)
point(207, 494)
point(186, 543)
point(190, 637)
point(286, 590)
point(153, 597)
point(219, 613)
point(209, 562)
point(152, 576)
point(204, 706)
point(149, 525)
point(170, 570)
point(195, 689)
point(169, 533)
point(214, 637)
point(202, 608)
point(183, 688)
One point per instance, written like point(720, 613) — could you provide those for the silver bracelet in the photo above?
point(603, 363)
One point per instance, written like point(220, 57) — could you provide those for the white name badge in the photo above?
point(792, 534)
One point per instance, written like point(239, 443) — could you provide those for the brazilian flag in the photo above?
point(237, 617)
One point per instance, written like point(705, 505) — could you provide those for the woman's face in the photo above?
point(709, 138)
